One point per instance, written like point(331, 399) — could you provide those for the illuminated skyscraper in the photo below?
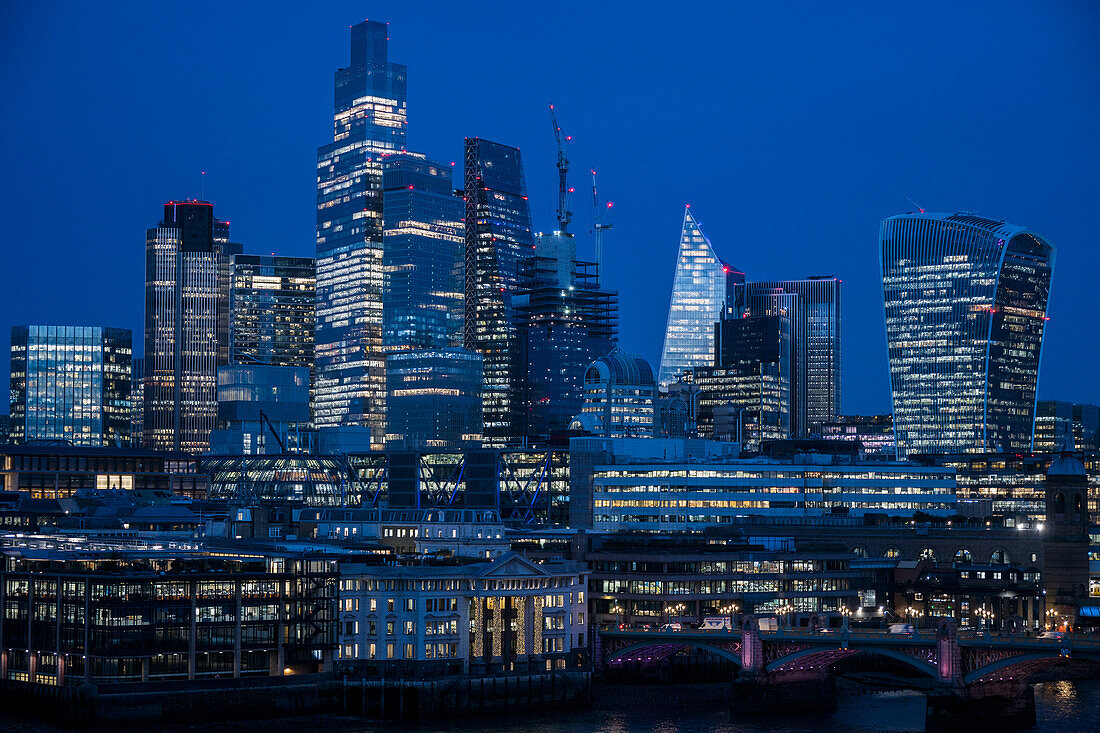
point(498, 239)
point(272, 301)
point(369, 121)
point(71, 383)
point(702, 288)
point(815, 345)
point(965, 301)
point(188, 261)
point(433, 386)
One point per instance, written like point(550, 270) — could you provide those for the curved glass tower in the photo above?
point(965, 300)
point(699, 291)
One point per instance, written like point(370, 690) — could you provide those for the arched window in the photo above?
point(963, 556)
point(1076, 506)
point(927, 554)
point(1060, 505)
point(892, 553)
point(999, 557)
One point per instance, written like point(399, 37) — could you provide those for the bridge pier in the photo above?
point(1003, 706)
point(813, 692)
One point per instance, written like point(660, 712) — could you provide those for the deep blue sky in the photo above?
point(793, 129)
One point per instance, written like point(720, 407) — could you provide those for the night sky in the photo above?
point(792, 129)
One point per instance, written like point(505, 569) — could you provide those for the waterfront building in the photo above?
point(1063, 426)
point(510, 614)
point(815, 337)
point(369, 121)
point(433, 399)
point(619, 397)
point(187, 282)
point(272, 301)
point(875, 434)
point(137, 400)
point(565, 320)
point(746, 396)
point(148, 614)
point(262, 409)
point(498, 240)
point(670, 496)
point(703, 288)
point(965, 303)
point(72, 384)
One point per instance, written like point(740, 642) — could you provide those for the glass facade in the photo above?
point(700, 287)
point(1063, 426)
point(619, 396)
point(965, 302)
point(369, 121)
point(188, 261)
point(815, 330)
point(434, 398)
point(137, 400)
point(71, 383)
point(272, 301)
point(498, 240)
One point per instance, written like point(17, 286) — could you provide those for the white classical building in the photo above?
point(510, 614)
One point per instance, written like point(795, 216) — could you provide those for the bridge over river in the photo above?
point(969, 679)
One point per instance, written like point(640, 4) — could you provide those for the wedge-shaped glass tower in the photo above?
point(965, 300)
point(701, 288)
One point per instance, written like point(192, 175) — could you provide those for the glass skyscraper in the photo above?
point(71, 383)
point(188, 263)
point(815, 334)
point(369, 121)
point(433, 385)
point(498, 239)
point(272, 302)
point(702, 287)
point(965, 303)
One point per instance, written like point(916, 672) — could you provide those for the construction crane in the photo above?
point(599, 227)
point(564, 214)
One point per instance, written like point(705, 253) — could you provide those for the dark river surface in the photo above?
point(1061, 707)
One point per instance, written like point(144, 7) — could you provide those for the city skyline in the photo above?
point(832, 229)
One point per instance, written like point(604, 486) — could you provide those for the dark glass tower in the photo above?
point(272, 302)
point(498, 240)
point(965, 302)
point(815, 334)
point(433, 386)
point(71, 383)
point(188, 261)
point(369, 121)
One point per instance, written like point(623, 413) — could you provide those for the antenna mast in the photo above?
point(564, 214)
point(599, 227)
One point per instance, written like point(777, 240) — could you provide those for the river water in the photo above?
point(1061, 707)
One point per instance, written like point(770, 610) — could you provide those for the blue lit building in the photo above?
point(369, 121)
point(434, 399)
point(965, 302)
point(433, 386)
point(262, 409)
point(71, 383)
point(498, 240)
point(703, 288)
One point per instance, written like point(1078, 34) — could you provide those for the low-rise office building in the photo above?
point(507, 615)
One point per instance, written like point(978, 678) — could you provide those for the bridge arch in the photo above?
point(733, 655)
point(1025, 665)
point(828, 657)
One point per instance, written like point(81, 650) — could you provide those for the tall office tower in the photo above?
point(702, 288)
point(369, 121)
point(137, 400)
point(566, 321)
point(188, 258)
point(272, 305)
point(71, 383)
point(1061, 426)
point(965, 302)
point(433, 385)
point(746, 396)
point(815, 330)
point(498, 239)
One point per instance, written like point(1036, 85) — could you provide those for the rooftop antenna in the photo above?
point(202, 195)
point(564, 214)
point(915, 204)
point(599, 227)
